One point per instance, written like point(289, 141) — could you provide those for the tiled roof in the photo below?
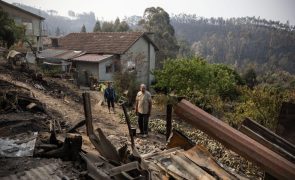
point(101, 42)
point(92, 57)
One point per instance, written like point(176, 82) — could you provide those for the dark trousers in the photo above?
point(110, 102)
point(143, 122)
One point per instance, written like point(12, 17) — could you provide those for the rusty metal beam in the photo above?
point(270, 136)
point(168, 120)
point(268, 139)
point(270, 161)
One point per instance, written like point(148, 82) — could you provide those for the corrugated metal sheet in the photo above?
point(50, 53)
point(19, 146)
point(49, 171)
point(195, 163)
point(69, 54)
point(92, 57)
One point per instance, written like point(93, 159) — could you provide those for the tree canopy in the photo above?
point(97, 27)
point(157, 21)
point(83, 29)
point(117, 26)
point(195, 78)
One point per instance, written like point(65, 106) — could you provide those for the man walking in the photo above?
point(110, 95)
point(143, 109)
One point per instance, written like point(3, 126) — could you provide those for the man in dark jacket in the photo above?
point(110, 95)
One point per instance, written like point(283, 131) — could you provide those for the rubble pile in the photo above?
point(28, 134)
point(20, 110)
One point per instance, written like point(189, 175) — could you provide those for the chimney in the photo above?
point(54, 42)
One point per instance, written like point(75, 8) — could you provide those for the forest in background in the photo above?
point(246, 42)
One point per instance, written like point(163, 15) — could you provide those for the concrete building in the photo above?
point(110, 52)
point(32, 22)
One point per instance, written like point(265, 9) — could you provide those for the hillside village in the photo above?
point(206, 119)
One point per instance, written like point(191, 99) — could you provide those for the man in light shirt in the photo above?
point(143, 109)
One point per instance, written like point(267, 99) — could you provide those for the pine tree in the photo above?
point(57, 31)
point(97, 27)
point(83, 29)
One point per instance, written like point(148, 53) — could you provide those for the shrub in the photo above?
point(197, 80)
point(126, 82)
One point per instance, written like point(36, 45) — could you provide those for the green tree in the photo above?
point(57, 31)
point(116, 25)
point(83, 29)
point(184, 49)
point(250, 78)
point(9, 31)
point(125, 81)
point(123, 27)
point(157, 20)
point(107, 27)
point(197, 80)
point(97, 27)
point(261, 104)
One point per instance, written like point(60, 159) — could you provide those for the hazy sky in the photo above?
point(281, 10)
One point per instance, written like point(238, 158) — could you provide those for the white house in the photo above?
point(108, 52)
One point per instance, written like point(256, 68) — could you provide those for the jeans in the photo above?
point(111, 102)
point(143, 120)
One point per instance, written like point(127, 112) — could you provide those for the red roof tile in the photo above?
point(101, 42)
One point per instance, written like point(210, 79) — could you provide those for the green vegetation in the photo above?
point(221, 91)
point(117, 26)
point(83, 29)
point(9, 31)
point(126, 85)
point(157, 21)
point(97, 27)
point(198, 80)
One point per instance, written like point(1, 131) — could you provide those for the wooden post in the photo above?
point(88, 113)
point(128, 125)
point(168, 120)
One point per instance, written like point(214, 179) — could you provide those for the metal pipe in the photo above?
point(270, 161)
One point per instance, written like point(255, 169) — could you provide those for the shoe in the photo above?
point(144, 135)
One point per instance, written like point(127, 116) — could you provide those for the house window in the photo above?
point(109, 68)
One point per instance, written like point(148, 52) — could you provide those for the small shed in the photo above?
point(97, 66)
point(58, 58)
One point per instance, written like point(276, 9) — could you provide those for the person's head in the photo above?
point(142, 88)
point(109, 84)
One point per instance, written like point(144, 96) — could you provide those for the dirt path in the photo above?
point(72, 111)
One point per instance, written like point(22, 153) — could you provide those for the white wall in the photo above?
point(152, 61)
point(92, 68)
point(98, 70)
point(103, 76)
point(138, 54)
